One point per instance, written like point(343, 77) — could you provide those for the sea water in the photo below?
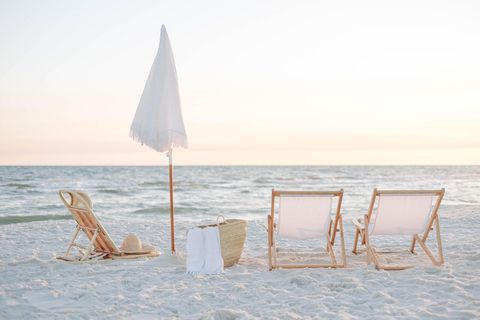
point(30, 194)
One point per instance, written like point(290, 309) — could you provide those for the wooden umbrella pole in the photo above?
point(172, 227)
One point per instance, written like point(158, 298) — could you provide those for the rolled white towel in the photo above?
point(212, 251)
point(195, 250)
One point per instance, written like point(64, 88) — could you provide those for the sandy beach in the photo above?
point(34, 284)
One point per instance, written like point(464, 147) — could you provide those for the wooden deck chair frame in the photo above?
point(336, 225)
point(100, 244)
point(362, 231)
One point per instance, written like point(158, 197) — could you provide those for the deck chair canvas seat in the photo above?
point(400, 212)
point(100, 245)
point(305, 215)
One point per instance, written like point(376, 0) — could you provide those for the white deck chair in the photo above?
point(402, 212)
point(305, 215)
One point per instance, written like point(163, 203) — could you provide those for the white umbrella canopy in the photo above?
point(158, 121)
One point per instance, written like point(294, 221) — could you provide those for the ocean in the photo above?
point(30, 194)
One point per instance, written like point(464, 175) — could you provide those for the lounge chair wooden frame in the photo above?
point(100, 244)
point(336, 225)
point(362, 231)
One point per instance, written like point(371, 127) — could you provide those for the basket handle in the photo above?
point(220, 217)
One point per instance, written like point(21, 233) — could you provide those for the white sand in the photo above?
point(35, 285)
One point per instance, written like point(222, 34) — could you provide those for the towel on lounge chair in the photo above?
point(204, 254)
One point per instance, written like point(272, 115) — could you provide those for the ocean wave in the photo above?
point(151, 183)
point(27, 219)
point(157, 210)
point(50, 206)
point(148, 210)
point(18, 185)
point(112, 191)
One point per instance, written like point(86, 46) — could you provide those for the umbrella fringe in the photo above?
point(176, 140)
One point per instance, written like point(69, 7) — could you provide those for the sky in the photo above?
point(261, 82)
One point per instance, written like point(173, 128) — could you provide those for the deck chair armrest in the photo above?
point(358, 223)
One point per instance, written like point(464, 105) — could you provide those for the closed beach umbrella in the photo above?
point(158, 121)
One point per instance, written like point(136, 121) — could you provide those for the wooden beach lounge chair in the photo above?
point(400, 212)
point(305, 216)
point(100, 245)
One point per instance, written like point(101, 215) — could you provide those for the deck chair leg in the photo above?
point(329, 234)
point(359, 235)
point(334, 232)
point(72, 242)
point(412, 247)
point(424, 237)
point(422, 242)
point(437, 262)
point(274, 252)
point(372, 257)
point(270, 244)
point(330, 251)
point(355, 241)
point(88, 249)
point(439, 241)
point(371, 254)
point(342, 238)
point(338, 223)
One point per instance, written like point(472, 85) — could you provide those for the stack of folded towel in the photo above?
point(204, 255)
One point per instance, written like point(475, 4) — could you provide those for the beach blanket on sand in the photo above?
point(204, 254)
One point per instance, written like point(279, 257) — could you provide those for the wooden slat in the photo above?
point(100, 242)
point(410, 192)
point(79, 217)
point(278, 193)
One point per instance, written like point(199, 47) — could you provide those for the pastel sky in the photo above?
point(261, 82)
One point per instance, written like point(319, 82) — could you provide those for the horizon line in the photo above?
point(240, 165)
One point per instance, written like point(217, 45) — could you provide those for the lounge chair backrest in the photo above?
point(80, 206)
point(304, 216)
point(402, 213)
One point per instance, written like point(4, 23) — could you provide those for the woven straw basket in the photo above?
point(232, 238)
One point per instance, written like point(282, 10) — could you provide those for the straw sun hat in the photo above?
point(132, 245)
